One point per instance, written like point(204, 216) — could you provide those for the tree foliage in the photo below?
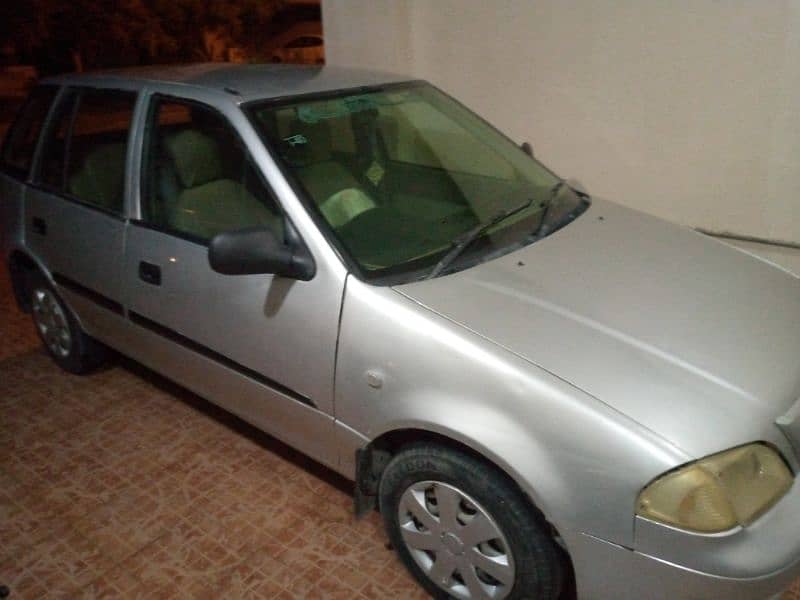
point(84, 34)
point(24, 24)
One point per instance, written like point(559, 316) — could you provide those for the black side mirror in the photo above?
point(527, 148)
point(256, 251)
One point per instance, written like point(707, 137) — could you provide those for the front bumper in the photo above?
point(607, 571)
point(757, 562)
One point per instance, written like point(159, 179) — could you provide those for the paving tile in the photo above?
point(114, 583)
point(62, 563)
point(123, 527)
point(185, 557)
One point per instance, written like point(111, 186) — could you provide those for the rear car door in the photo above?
point(16, 159)
point(75, 208)
point(262, 346)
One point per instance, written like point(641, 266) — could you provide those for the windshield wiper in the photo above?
point(541, 231)
point(459, 244)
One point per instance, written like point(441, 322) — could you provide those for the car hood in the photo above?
point(688, 336)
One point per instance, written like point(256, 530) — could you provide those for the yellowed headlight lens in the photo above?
point(718, 492)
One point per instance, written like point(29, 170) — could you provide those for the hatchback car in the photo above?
point(543, 393)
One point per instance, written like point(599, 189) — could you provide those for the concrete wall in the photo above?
point(687, 109)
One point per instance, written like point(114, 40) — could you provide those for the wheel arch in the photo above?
point(393, 440)
point(20, 266)
point(373, 459)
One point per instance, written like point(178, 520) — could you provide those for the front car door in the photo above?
point(75, 207)
point(261, 346)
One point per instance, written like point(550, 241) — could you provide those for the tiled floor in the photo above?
point(122, 485)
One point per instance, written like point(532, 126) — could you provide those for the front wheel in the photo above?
point(65, 341)
point(464, 530)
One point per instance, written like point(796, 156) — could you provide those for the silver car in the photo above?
point(545, 394)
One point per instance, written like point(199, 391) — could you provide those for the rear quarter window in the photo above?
point(19, 145)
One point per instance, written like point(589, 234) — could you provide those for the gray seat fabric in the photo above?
point(101, 177)
point(324, 179)
point(319, 173)
point(209, 203)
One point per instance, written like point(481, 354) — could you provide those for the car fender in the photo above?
point(402, 367)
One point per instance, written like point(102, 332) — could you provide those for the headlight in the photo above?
point(718, 492)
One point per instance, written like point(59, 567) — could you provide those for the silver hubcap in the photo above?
point(455, 541)
point(51, 322)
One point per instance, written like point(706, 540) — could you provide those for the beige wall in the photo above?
point(687, 109)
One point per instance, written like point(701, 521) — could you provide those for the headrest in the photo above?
point(195, 156)
point(101, 179)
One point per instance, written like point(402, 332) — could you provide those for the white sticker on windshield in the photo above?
point(296, 140)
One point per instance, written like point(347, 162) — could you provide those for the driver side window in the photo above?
point(199, 179)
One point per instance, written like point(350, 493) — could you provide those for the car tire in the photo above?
point(58, 329)
point(489, 524)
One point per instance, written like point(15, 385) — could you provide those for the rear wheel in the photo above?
point(464, 530)
point(67, 344)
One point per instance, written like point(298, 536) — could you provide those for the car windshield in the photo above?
point(397, 176)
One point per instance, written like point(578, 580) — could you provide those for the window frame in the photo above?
point(35, 173)
point(153, 101)
point(13, 170)
point(65, 96)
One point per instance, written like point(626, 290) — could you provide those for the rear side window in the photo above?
point(86, 147)
point(20, 143)
point(51, 163)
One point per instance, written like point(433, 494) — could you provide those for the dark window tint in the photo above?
point(51, 163)
point(199, 179)
point(98, 147)
point(20, 142)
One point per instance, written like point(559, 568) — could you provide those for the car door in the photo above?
point(75, 208)
point(261, 346)
point(16, 159)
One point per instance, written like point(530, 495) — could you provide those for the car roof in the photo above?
point(249, 82)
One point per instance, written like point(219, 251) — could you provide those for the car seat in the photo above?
point(333, 188)
point(208, 202)
point(101, 177)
